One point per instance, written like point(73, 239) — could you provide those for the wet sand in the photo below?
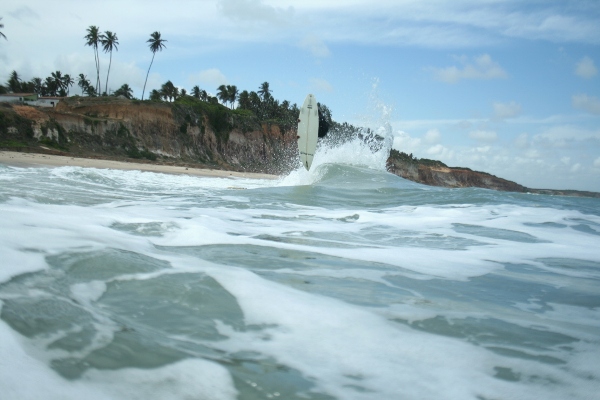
point(17, 159)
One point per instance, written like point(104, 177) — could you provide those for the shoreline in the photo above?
point(37, 160)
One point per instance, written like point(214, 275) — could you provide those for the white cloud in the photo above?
point(320, 85)
point(566, 160)
point(432, 136)
point(483, 136)
point(404, 142)
point(440, 152)
point(522, 141)
point(565, 135)
point(315, 46)
point(576, 168)
point(585, 68)
point(587, 103)
point(212, 77)
point(482, 67)
point(597, 162)
point(254, 11)
point(533, 153)
point(437, 150)
point(506, 110)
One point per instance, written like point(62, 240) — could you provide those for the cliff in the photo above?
point(196, 133)
point(436, 173)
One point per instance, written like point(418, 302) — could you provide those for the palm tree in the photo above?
point(264, 91)
point(232, 94)
point(57, 78)
point(67, 81)
point(14, 82)
point(36, 84)
point(203, 95)
point(49, 88)
point(83, 83)
point(91, 91)
point(169, 91)
point(223, 93)
point(2, 27)
point(109, 42)
point(196, 92)
point(155, 95)
point(156, 44)
point(93, 39)
point(244, 100)
point(124, 91)
point(254, 101)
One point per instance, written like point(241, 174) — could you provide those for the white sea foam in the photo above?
point(24, 377)
point(296, 268)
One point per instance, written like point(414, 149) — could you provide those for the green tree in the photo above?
point(264, 91)
point(110, 42)
point(203, 95)
point(83, 83)
point(67, 82)
point(57, 78)
point(14, 82)
point(168, 91)
point(156, 44)
point(155, 95)
point(232, 94)
point(49, 88)
point(255, 104)
point(93, 39)
point(124, 91)
point(196, 92)
point(244, 100)
point(36, 85)
point(223, 93)
point(2, 27)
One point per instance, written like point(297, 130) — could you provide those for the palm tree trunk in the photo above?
point(96, 62)
point(98, 85)
point(147, 73)
point(108, 73)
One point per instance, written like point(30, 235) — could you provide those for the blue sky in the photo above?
point(502, 86)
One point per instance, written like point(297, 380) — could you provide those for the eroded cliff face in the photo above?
point(201, 134)
point(119, 127)
point(440, 175)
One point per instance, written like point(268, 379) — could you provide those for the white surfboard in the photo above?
point(308, 130)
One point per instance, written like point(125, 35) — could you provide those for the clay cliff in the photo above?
point(198, 134)
point(436, 173)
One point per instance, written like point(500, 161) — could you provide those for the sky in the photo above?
point(507, 87)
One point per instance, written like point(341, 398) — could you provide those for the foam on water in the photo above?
point(340, 282)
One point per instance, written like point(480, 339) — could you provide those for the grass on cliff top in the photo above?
point(408, 158)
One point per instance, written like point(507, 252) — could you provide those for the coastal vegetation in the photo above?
point(109, 43)
point(253, 105)
point(156, 43)
point(93, 40)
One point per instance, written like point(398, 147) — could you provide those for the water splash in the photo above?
point(367, 145)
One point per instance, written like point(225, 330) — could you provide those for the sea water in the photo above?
point(345, 282)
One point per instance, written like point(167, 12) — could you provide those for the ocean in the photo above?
point(345, 282)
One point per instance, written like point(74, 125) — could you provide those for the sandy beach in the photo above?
point(17, 159)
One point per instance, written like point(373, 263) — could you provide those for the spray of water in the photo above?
point(366, 146)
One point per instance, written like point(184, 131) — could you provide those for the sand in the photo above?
point(16, 159)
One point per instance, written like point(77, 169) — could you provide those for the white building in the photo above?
point(31, 99)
